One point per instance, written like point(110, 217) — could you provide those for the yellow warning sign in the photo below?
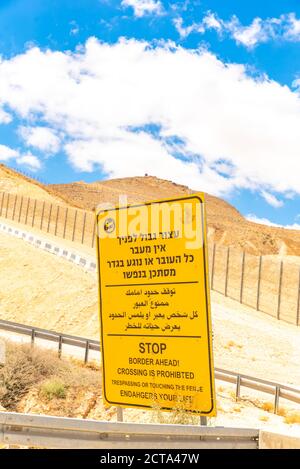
point(154, 305)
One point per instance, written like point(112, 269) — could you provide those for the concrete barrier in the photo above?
point(272, 440)
point(87, 263)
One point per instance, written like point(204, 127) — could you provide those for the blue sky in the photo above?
point(205, 93)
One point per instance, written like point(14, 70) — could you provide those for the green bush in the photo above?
point(53, 388)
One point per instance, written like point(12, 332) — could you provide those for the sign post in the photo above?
point(154, 305)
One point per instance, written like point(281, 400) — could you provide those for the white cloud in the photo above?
point(5, 118)
point(271, 199)
point(186, 31)
point(264, 221)
point(236, 131)
point(293, 29)
point(285, 28)
point(30, 161)
point(42, 138)
point(6, 153)
point(211, 21)
point(144, 7)
point(249, 36)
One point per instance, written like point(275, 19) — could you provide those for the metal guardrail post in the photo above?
point(203, 421)
point(86, 353)
point(242, 277)
point(276, 403)
point(32, 337)
point(226, 271)
point(119, 414)
point(238, 387)
point(279, 290)
point(59, 346)
point(258, 282)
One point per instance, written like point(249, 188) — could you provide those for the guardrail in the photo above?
point(240, 380)
point(60, 432)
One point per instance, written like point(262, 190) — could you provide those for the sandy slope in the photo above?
point(15, 183)
point(40, 289)
point(226, 225)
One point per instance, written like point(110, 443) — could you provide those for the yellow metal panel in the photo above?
point(154, 305)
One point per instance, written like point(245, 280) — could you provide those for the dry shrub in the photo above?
point(237, 409)
point(27, 367)
point(267, 406)
point(264, 418)
point(24, 367)
point(178, 416)
point(292, 417)
point(232, 344)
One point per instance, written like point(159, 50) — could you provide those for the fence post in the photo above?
point(238, 387)
point(298, 302)
point(276, 403)
point(32, 337)
point(42, 216)
point(20, 209)
point(279, 290)
point(74, 225)
point(213, 266)
point(27, 209)
point(56, 220)
point(94, 232)
point(2, 200)
point(7, 205)
point(86, 354)
point(14, 209)
point(227, 270)
point(83, 227)
point(65, 223)
point(59, 346)
point(242, 277)
point(50, 212)
point(258, 282)
point(33, 215)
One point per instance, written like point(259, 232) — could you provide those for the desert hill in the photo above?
point(225, 224)
point(16, 183)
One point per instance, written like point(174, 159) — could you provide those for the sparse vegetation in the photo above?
point(264, 418)
point(28, 368)
point(292, 417)
point(53, 388)
point(178, 416)
point(24, 367)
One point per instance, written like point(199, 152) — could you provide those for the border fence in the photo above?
point(265, 283)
